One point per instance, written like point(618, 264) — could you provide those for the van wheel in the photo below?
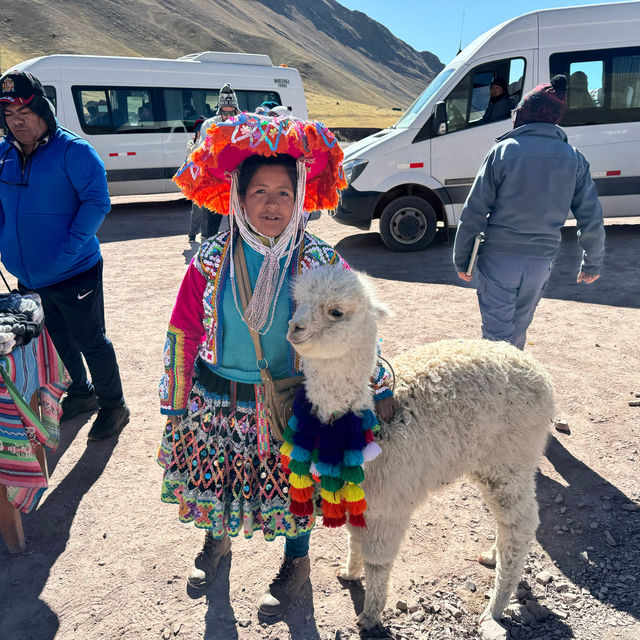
point(408, 223)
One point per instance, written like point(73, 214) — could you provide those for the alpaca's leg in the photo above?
point(512, 500)
point(380, 546)
point(353, 568)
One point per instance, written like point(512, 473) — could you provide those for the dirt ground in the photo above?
point(106, 559)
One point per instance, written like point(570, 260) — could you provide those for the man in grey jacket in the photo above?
point(520, 200)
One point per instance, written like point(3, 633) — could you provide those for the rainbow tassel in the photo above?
point(330, 496)
point(356, 508)
point(352, 474)
point(301, 495)
point(352, 493)
point(301, 508)
point(336, 522)
point(357, 521)
point(326, 469)
point(331, 455)
point(300, 482)
point(352, 458)
point(371, 451)
point(330, 483)
point(301, 468)
point(299, 453)
point(330, 510)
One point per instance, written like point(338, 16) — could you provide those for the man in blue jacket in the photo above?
point(520, 200)
point(53, 199)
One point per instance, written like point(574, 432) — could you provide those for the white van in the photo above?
point(418, 172)
point(138, 113)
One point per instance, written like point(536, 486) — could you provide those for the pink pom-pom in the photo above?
point(371, 451)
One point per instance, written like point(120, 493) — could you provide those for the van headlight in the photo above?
point(353, 168)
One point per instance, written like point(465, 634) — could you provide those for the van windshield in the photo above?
point(414, 110)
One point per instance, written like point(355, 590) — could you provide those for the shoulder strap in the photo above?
point(245, 292)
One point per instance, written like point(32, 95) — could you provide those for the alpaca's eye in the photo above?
point(336, 313)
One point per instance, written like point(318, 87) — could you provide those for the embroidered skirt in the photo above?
point(213, 471)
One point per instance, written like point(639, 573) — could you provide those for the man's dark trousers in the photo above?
point(74, 318)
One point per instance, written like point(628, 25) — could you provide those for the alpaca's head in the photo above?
point(336, 312)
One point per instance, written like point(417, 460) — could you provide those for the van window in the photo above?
point(109, 110)
point(603, 85)
point(420, 102)
point(50, 92)
point(117, 110)
point(470, 103)
point(189, 105)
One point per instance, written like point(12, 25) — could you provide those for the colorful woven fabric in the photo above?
point(213, 471)
point(331, 454)
point(33, 367)
point(205, 177)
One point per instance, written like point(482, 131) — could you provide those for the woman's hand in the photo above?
point(175, 421)
point(464, 276)
point(386, 408)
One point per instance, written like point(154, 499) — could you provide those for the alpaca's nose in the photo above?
point(295, 325)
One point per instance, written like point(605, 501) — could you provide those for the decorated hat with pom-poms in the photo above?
point(205, 177)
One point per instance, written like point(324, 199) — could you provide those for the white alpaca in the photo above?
point(466, 408)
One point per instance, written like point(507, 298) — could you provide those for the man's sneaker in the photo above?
point(286, 586)
point(73, 405)
point(109, 422)
point(207, 561)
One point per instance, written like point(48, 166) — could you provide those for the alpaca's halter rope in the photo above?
point(393, 373)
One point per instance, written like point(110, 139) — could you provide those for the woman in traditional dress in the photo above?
point(222, 462)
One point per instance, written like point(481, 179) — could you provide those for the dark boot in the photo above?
point(286, 586)
point(109, 422)
point(207, 561)
point(75, 404)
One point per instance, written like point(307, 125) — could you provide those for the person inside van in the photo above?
point(189, 113)
point(500, 104)
point(92, 112)
point(579, 96)
point(144, 113)
point(520, 200)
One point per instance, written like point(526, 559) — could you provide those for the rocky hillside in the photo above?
point(340, 53)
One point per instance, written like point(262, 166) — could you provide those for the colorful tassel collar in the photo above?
point(331, 455)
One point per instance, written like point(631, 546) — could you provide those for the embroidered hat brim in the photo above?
point(205, 177)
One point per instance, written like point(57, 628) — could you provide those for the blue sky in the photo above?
point(433, 26)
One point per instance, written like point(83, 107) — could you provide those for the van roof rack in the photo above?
point(229, 58)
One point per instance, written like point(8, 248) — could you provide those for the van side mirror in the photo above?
point(439, 121)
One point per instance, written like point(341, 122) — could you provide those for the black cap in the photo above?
point(20, 87)
point(502, 83)
point(25, 90)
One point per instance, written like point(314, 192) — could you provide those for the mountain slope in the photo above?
point(338, 52)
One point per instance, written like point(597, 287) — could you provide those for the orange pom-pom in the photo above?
point(301, 495)
point(331, 510)
point(356, 508)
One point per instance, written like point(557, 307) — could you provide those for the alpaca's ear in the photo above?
point(380, 311)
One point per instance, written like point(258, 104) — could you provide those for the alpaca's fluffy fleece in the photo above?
point(469, 408)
